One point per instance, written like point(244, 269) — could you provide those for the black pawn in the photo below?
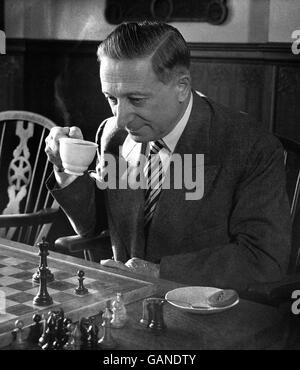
point(81, 290)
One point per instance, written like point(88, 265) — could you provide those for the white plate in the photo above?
point(196, 295)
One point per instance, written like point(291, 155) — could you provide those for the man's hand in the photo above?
point(114, 264)
point(143, 267)
point(135, 265)
point(52, 143)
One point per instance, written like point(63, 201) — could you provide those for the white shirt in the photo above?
point(172, 138)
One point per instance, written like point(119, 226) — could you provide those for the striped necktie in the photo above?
point(154, 175)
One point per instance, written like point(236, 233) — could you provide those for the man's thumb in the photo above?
point(75, 133)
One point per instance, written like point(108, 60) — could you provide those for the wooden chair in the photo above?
point(27, 209)
point(275, 293)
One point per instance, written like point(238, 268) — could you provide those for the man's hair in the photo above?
point(163, 43)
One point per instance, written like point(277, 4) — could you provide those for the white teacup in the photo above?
point(76, 155)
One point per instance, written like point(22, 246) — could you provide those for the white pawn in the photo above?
point(119, 312)
point(19, 342)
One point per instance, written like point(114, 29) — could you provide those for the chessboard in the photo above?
point(18, 263)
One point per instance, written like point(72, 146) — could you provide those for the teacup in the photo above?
point(76, 154)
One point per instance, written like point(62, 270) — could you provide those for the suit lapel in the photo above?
point(195, 139)
point(127, 205)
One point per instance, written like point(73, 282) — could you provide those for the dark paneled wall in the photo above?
point(60, 80)
point(11, 79)
point(262, 80)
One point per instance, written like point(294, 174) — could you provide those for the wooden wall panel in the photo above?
point(240, 86)
point(287, 110)
point(11, 82)
point(60, 79)
point(62, 82)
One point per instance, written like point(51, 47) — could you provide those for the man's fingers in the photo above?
point(52, 141)
point(114, 264)
point(75, 133)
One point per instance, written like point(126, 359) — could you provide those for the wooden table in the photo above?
point(248, 325)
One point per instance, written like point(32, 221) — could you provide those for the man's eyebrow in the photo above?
point(131, 93)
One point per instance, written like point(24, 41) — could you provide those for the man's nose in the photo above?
point(123, 114)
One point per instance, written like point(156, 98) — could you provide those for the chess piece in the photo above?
point(107, 341)
point(155, 314)
point(77, 337)
point(19, 342)
point(50, 333)
point(70, 343)
point(36, 329)
point(144, 320)
point(42, 339)
point(43, 247)
point(83, 326)
point(42, 298)
point(81, 290)
point(119, 313)
point(60, 332)
point(92, 337)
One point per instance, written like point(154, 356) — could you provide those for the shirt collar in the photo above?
point(172, 138)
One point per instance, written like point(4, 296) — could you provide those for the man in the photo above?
point(236, 232)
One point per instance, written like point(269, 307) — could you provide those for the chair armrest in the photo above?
point(41, 217)
point(273, 293)
point(76, 243)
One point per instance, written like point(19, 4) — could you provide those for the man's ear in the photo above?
point(183, 86)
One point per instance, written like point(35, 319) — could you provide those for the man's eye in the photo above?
point(136, 101)
point(111, 99)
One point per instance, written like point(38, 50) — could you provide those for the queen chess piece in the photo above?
point(43, 247)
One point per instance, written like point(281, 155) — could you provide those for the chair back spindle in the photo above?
point(23, 170)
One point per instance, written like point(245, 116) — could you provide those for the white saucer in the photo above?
point(183, 298)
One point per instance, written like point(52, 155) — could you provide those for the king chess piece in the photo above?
point(43, 247)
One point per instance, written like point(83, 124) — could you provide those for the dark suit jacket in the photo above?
point(238, 233)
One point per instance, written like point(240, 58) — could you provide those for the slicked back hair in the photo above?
point(163, 43)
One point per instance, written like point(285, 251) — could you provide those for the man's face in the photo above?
point(146, 107)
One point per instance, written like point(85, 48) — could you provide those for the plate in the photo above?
point(183, 298)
